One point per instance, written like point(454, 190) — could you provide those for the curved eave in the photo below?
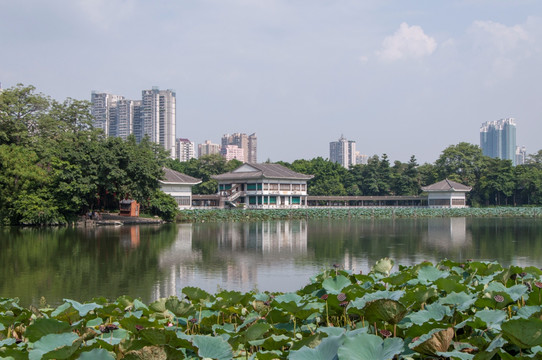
point(179, 183)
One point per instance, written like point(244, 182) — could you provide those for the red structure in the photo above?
point(129, 208)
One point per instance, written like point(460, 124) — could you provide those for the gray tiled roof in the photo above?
point(172, 176)
point(447, 185)
point(267, 171)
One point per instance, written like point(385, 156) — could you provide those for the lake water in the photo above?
point(150, 262)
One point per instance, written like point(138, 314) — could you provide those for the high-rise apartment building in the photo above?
point(158, 117)
point(521, 155)
point(152, 116)
point(103, 110)
point(126, 115)
point(343, 152)
point(231, 152)
point(185, 149)
point(498, 139)
point(249, 144)
point(208, 148)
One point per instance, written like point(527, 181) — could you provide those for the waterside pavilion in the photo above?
point(262, 186)
point(446, 193)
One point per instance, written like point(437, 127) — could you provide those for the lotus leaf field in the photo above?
point(449, 310)
point(215, 215)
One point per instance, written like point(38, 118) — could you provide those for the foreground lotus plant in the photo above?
point(449, 310)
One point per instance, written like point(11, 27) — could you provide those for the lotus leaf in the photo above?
point(43, 326)
point(437, 340)
point(456, 355)
point(273, 342)
point(461, 300)
point(96, 354)
point(113, 338)
point(334, 285)
point(383, 266)
point(377, 295)
point(390, 311)
point(450, 284)
point(492, 318)
point(418, 296)
point(326, 350)
point(268, 355)
point(83, 309)
point(428, 274)
point(196, 295)
point(60, 346)
point(431, 312)
point(212, 347)
point(527, 311)
point(525, 333)
point(515, 292)
point(370, 347)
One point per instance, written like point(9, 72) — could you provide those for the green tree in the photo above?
point(496, 185)
point(163, 205)
point(462, 163)
point(21, 114)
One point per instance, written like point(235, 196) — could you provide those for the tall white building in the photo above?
point(343, 152)
point(521, 155)
point(158, 117)
point(126, 115)
point(153, 116)
point(103, 110)
point(185, 149)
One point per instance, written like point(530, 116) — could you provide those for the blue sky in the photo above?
point(398, 77)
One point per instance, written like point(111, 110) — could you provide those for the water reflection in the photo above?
point(150, 262)
point(449, 237)
point(235, 256)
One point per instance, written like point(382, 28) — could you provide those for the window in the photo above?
point(183, 200)
point(252, 200)
point(284, 187)
point(272, 200)
point(296, 200)
point(296, 187)
point(273, 186)
point(251, 187)
point(439, 202)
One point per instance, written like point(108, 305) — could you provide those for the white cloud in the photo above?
point(407, 42)
point(500, 37)
point(506, 49)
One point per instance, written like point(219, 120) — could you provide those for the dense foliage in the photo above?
point(494, 182)
point(452, 310)
point(203, 168)
point(54, 166)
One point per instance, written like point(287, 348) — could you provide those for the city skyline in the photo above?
point(401, 78)
point(153, 116)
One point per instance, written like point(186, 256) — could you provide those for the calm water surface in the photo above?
point(150, 262)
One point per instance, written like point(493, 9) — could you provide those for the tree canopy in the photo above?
point(55, 166)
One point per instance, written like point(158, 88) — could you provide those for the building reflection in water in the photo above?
point(448, 236)
point(232, 256)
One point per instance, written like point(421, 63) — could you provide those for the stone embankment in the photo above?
point(106, 219)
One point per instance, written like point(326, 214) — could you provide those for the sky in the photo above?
point(398, 77)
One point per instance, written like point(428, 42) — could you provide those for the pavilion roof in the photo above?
point(261, 171)
point(447, 185)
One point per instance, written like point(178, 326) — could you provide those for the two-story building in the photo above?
point(262, 186)
point(179, 186)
